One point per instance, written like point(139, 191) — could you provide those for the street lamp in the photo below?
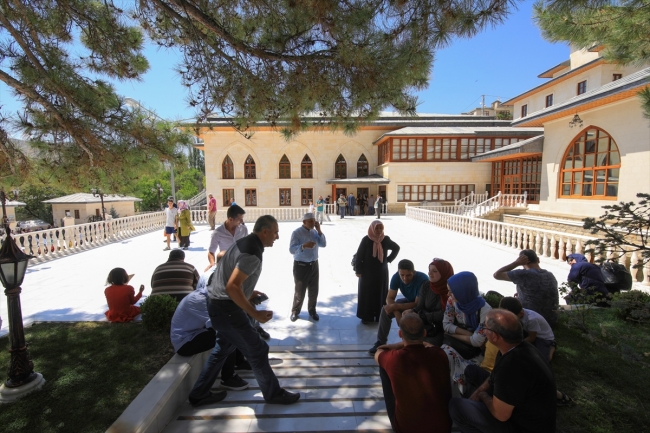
point(13, 265)
point(159, 190)
point(98, 193)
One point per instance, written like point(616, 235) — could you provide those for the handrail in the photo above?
point(197, 198)
point(546, 243)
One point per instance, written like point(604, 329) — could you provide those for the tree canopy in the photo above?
point(621, 26)
point(252, 60)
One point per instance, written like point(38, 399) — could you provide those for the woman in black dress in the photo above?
point(371, 267)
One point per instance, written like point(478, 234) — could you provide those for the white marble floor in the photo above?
point(72, 288)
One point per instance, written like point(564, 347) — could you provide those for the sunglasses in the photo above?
point(491, 330)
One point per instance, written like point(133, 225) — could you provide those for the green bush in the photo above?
point(157, 312)
point(633, 305)
point(493, 298)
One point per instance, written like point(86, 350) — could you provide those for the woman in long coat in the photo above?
point(371, 267)
point(185, 226)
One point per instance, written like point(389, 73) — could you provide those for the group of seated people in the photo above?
point(451, 337)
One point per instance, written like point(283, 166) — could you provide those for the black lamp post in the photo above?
point(159, 190)
point(98, 193)
point(13, 265)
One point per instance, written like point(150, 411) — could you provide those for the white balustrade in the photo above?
point(546, 243)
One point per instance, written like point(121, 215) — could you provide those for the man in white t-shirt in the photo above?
point(539, 332)
point(171, 221)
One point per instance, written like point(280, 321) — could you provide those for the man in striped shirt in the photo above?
point(174, 277)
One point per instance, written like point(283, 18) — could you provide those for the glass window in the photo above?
point(340, 168)
point(227, 168)
point(362, 166)
point(306, 168)
point(249, 168)
point(251, 197)
point(227, 194)
point(285, 196)
point(285, 168)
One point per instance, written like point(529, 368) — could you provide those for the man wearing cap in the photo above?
point(171, 221)
point(304, 244)
point(212, 211)
point(174, 277)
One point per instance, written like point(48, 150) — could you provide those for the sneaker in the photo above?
point(374, 348)
point(265, 335)
point(235, 383)
point(215, 397)
point(285, 397)
point(166, 249)
point(244, 365)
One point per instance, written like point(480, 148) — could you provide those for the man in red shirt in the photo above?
point(212, 211)
point(415, 380)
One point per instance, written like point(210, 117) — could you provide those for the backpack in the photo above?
point(616, 277)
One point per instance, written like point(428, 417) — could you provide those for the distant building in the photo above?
point(495, 109)
point(81, 206)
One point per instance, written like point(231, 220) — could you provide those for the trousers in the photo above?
point(385, 322)
point(305, 277)
point(206, 341)
point(234, 331)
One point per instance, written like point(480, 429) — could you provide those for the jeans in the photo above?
point(319, 216)
point(206, 341)
point(234, 330)
point(389, 397)
point(342, 211)
point(475, 376)
point(305, 277)
point(474, 417)
point(385, 321)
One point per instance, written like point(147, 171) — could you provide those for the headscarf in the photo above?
point(440, 286)
point(464, 287)
point(182, 205)
point(377, 249)
point(577, 257)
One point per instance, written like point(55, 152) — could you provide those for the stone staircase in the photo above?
point(339, 386)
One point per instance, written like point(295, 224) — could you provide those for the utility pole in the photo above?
point(482, 105)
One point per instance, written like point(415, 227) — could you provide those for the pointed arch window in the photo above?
point(227, 169)
point(285, 168)
point(362, 166)
point(306, 168)
point(591, 166)
point(249, 168)
point(340, 168)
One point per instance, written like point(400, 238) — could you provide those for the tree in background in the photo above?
point(277, 61)
point(622, 27)
point(189, 182)
point(58, 57)
point(623, 228)
point(33, 197)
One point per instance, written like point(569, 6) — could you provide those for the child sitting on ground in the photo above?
point(121, 297)
point(539, 331)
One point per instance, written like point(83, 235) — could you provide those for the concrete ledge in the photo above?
point(157, 403)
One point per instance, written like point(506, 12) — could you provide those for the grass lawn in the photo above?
point(606, 372)
point(93, 370)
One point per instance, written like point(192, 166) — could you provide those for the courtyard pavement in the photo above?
point(72, 288)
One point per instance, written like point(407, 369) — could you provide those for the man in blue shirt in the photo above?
point(304, 244)
point(408, 281)
point(192, 333)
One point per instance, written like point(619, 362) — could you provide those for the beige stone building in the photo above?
point(596, 144)
point(406, 160)
point(81, 206)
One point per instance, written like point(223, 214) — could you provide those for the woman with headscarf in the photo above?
point(371, 266)
point(432, 300)
point(185, 224)
point(463, 324)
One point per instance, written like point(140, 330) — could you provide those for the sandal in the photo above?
point(565, 400)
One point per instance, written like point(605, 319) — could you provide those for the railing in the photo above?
point(200, 197)
point(469, 205)
point(546, 243)
point(472, 199)
point(253, 213)
point(63, 241)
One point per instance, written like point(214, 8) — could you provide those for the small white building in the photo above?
point(81, 206)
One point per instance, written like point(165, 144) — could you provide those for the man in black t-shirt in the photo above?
point(519, 396)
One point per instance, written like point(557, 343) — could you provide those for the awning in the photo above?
point(373, 179)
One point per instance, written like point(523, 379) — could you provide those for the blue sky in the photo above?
point(499, 62)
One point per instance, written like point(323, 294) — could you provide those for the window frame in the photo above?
point(250, 197)
point(524, 110)
point(287, 200)
point(250, 168)
point(549, 100)
point(580, 151)
point(616, 77)
point(226, 195)
point(77, 214)
point(227, 168)
point(581, 87)
point(306, 168)
point(284, 168)
point(433, 192)
point(361, 164)
point(341, 167)
point(306, 194)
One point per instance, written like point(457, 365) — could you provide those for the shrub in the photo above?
point(633, 306)
point(493, 298)
point(157, 312)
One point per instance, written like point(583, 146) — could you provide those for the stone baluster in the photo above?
point(554, 251)
point(646, 274)
point(568, 248)
point(519, 238)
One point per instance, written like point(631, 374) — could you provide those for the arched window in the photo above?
point(362, 166)
point(285, 168)
point(306, 168)
point(591, 166)
point(227, 169)
point(249, 168)
point(340, 168)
